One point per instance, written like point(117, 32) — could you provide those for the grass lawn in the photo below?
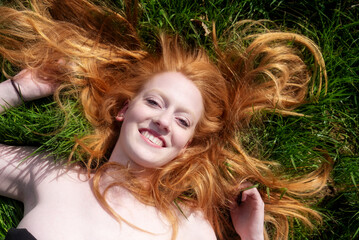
point(333, 125)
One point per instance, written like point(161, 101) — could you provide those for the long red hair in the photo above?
point(104, 63)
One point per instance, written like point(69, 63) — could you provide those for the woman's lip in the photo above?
point(155, 134)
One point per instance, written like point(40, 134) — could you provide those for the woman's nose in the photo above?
point(163, 120)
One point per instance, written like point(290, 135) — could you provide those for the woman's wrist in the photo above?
point(17, 90)
point(31, 87)
point(10, 95)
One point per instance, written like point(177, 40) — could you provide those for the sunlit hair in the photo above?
point(97, 56)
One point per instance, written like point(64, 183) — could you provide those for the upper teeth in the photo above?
point(152, 138)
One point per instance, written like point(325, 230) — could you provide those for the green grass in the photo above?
point(333, 125)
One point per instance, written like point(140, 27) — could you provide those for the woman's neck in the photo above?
point(118, 156)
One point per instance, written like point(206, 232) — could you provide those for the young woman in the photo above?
point(164, 160)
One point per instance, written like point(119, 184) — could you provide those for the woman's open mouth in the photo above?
point(150, 137)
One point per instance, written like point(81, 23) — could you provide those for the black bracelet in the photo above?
point(17, 90)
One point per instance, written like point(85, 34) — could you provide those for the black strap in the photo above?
point(19, 234)
point(17, 89)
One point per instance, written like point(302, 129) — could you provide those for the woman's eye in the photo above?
point(183, 122)
point(152, 102)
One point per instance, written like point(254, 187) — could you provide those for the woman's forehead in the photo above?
point(176, 88)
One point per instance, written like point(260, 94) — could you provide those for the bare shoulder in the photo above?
point(21, 170)
point(196, 226)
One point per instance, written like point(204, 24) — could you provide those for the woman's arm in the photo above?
point(21, 171)
point(19, 168)
point(14, 174)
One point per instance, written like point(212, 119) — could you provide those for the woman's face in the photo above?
point(160, 121)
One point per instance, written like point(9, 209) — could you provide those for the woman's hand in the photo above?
point(32, 88)
point(248, 216)
point(25, 84)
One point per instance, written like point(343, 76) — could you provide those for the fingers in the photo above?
point(252, 198)
point(251, 193)
point(246, 187)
